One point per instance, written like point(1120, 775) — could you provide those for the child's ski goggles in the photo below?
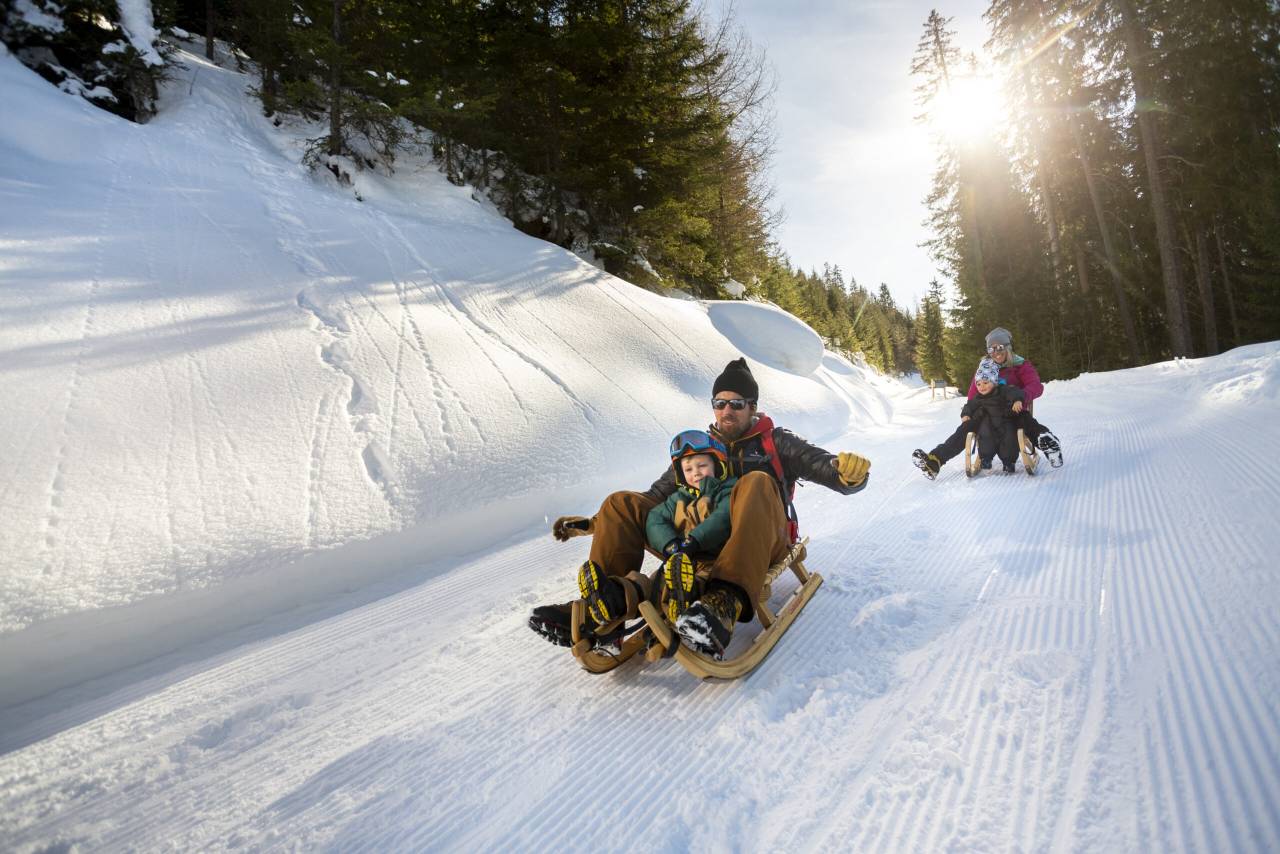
point(696, 442)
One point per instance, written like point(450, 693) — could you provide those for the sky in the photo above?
point(852, 168)
point(277, 468)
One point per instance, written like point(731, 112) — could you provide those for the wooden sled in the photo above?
point(1030, 459)
point(597, 660)
point(775, 625)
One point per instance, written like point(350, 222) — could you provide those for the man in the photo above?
point(1020, 373)
point(767, 461)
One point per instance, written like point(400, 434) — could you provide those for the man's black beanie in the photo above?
point(737, 377)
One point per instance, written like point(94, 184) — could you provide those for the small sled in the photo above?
point(1030, 459)
point(667, 642)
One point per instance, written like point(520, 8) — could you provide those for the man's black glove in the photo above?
point(572, 526)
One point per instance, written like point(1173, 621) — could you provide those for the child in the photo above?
point(694, 520)
point(992, 413)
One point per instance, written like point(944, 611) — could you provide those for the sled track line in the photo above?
point(963, 677)
point(440, 385)
point(1179, 628)
point(57, 478)
point(462, 313)
point(1192, 639)
point(585, 360)
point(402, 333)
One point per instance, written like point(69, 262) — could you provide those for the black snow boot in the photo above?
point(609, 598)
point(605, 597)
point(985, 465)
point(679, 585)
point(554, 624)
point(927, 463)
point(1009, 468)
point(707, 626)
point(1048, 444)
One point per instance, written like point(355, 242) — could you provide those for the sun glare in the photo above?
point(970, 107)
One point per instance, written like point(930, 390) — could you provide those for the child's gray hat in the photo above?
point(987, 370)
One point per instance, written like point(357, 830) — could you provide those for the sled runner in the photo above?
point(666, 642)
point(971, 462)
point(1030, 459)
point(598, 659)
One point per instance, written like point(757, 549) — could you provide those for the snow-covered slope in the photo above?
point(219, 369)
point(1085, 660)
point(213, 363)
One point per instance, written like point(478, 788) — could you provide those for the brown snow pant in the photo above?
point(757, 534)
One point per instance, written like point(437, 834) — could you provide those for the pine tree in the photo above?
point(930, 359)
point(82, 47)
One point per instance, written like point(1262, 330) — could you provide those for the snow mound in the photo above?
point(769, 335)
point(1259, 382)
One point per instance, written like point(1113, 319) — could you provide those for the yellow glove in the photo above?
point(852, 468)
point(572, 526)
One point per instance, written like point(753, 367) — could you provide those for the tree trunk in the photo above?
point(268, 89)
point(335, 83)
point(208, 29)
point(1175, 299)
point(1108, 248)
point(1226, 289)
point(1082, 268)
point(1206, 293)
point(1046, 199)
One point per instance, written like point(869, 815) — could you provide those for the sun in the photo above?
point(969, 107)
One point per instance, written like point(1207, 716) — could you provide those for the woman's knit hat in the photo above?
point(999, 335)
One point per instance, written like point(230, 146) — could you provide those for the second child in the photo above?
point(992, 413)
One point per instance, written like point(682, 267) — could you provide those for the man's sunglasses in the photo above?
point(737, 404)
point(997, 348)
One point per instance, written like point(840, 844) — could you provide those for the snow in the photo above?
point(36, 18)
point(277, 472)
point(139, 25)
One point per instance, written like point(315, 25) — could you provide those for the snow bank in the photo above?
point(769, 335)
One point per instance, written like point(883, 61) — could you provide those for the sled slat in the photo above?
point(1030, 459)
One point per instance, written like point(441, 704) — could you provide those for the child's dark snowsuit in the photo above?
point(991, 416)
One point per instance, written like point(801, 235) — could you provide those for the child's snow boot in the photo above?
point(707, 626)
point(1009, 468)
point(680, 583)
point(609, 598)
point(1048, 444)
point(927, 463)
point(986, 465)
